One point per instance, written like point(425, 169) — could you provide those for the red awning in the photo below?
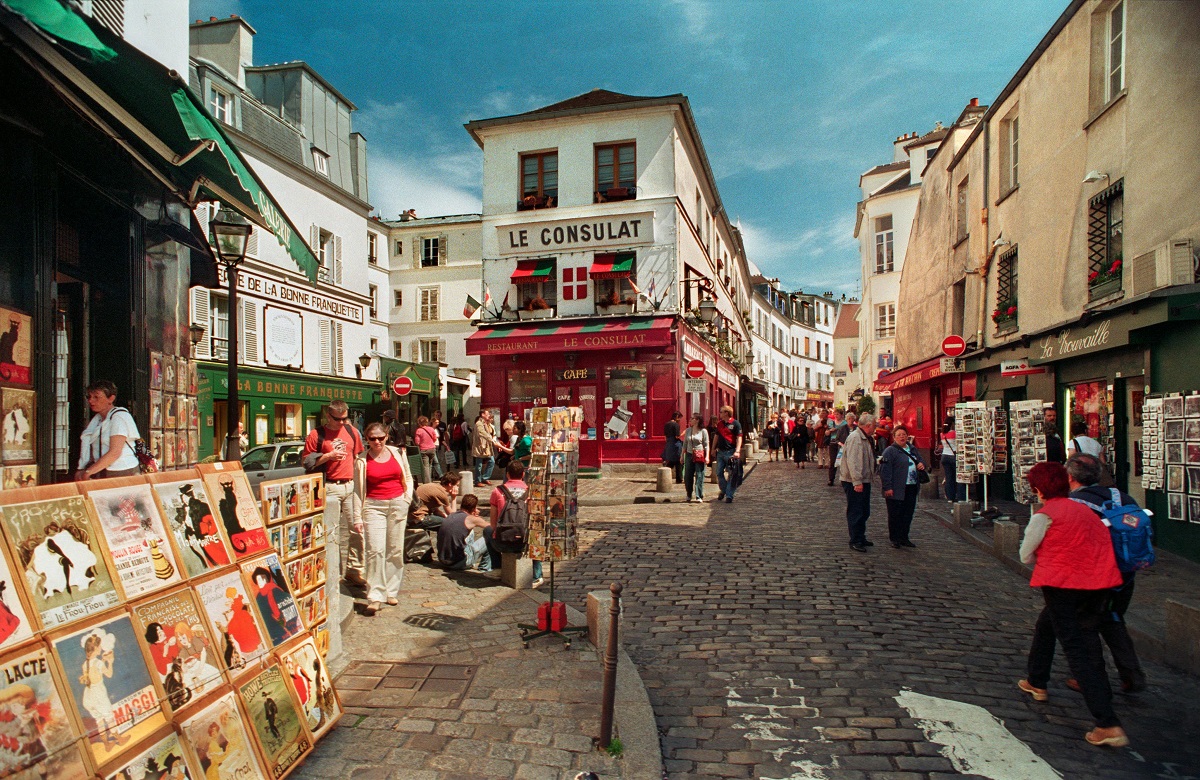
point(559, 336)
point(533, 271)
point(912, 375)
point(613, 266)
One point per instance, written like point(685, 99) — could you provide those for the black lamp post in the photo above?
point(230, 233)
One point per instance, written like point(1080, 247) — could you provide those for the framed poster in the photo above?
point(15, 626)
point(291, 539)
point(168, 381)
point(238, 639)
point(192, 523)
point(37, 732)
point(237, 508)
point(168, 450)
point(179, 645)
point(17, 418)
point(110, 687)
point(272, 506)
point(181, 375)
point(16, 352)
point(218, 739)
point(310, 681)
point(135, 536)
point(20, 476)
point(170, 408)
point(321, 637)
point(156, 419)
point(162, 760)
point(55, 548)
point(181, 449)
point(193, 378)
point(275, 721)
point(156, 371)
point(277, 609)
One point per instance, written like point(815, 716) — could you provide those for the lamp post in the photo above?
point(230, 234)
point(364, 360)
point(707, 308)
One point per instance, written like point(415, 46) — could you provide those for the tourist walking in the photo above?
point(428, 441)
point(483, 448)
point(800, 441)
point(856, 473)
point(1074, 565)
point(787, 421)
point(695, 457)
point(772, 434)
point(383, 488)
point(107, 448)
point(900, 472)
point(949, 458)
point(332, 449)
point(727, 455)
point(672, 454)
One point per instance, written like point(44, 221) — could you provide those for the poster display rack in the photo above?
point(981, 436)
point(1027, 421)
point(148, 627)
point(1171, 452)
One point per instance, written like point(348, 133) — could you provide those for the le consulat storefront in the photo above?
point(627, 375)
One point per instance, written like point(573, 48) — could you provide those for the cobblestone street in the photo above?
point(772, 650)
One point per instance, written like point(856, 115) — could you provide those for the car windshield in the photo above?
point(289, 456)
point(258, 458)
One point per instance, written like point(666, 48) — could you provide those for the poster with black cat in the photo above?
point(236, 507)
point(16, 353)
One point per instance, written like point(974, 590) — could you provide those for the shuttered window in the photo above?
point(427, 310)
point(201, 314)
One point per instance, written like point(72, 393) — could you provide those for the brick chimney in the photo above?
point(227, 43)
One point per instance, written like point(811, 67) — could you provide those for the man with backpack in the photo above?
point(1132, 536)
point(510, 518)
point(331, 449)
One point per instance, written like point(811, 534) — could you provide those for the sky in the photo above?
point(794, 100)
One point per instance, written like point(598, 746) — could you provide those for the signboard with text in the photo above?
point(694, 385)
point(564, 235)
point(300, 296)
point(283, 336)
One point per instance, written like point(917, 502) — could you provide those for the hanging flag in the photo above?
point(634, 286)
point(505, 306)
point(650, 291)
point(850, 364)
point(471, 308)
point(487, 295)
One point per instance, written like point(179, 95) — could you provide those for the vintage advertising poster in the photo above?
point(276, 608)
point(182, 653)
point(163, 760)
point(16, 477)
point(34, 725)
point(110, 687)
point(218, 737)
point(314, 690)
point(237, 509)
point(275, 720)
point(16, 353)
point(193, 523)
point(142, 558)
point(55, 547)
point(321, 637)
point(14, 620)
point(17, 424)
point(239, 640)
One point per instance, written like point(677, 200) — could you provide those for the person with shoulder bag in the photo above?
point(383, 487)
point(948, 458)
point(902, 471)
point(108, 440)
point(695, 457)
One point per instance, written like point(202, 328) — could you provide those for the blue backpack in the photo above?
point(1132, 534)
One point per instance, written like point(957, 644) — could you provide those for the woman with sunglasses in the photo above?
point(384, 486)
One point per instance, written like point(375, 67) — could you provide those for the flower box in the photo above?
point(618, 308)
point(1102, 288)
point(536, 314)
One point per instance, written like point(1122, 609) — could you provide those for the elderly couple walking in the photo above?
point(901, 469)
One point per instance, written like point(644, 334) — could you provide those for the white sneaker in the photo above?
point(538, 582)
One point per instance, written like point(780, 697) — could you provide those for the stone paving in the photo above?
point(772, 650)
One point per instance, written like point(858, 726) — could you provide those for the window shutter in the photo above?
point(416, 350)
point(441, 355)
point(252, 243)
point(443, 249)
point(338, 361)
point(416, 253)
point(337, 260)
point(203, 216)
point(314, 239)
point(201, 314)
point(248, 338)
point(324, 328)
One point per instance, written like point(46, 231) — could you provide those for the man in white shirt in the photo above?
point(107, 441)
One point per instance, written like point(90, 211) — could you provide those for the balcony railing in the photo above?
point(885, 333)
point(532, 202)
point(613, 194)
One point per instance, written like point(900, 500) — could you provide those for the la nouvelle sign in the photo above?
point(598, 232)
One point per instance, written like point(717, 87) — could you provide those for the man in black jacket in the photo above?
point(1083, 475)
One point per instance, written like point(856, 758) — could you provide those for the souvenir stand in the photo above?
point(553, 504)
point(147, 628)
point(1171, 452)
point(293, 508)
point(1027, 421)
point(981, 435)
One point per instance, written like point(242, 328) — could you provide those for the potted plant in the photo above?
point(1005, 313)
point(1105, 281)
point(535, 308)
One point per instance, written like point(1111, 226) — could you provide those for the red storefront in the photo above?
point(625, 370)
point(921, 396)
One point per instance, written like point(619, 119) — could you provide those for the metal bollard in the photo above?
point(610, 667)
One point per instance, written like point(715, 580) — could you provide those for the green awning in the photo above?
point(613, 266)
point(151, 110)
point(424, 378)
point(533, 271)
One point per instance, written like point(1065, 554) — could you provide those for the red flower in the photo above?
point(1093, 275)
point(1012, 310)
point(1116, 266)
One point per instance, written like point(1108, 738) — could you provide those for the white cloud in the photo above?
point(818, 259)
point(398, 184)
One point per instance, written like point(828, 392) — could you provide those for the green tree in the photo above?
point(866, 405)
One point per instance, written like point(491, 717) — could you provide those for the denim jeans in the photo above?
point(483, 468)
point(693, 473)
point(948, 468)
point(724, 484)
point(477, 553)
point(431, 467)
point(858, 509)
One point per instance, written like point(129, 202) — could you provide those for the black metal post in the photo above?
point(610, 667)
point(233, 442)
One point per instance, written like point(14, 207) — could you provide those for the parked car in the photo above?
point(272, 461)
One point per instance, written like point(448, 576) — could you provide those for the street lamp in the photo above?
point(708, 311)
point(195, 333)
point(230, 235)
point(364, 360)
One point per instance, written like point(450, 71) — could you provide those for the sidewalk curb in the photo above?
point(650, 498)
point(634, 720)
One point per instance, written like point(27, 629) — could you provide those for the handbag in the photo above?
point(699, 456)
point(922, 474)
point(147, 463)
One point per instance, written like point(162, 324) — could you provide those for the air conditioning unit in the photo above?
point(1166, 265)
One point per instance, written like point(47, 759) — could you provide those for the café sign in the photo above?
point(574, 374)
point(1072, 342)
point(301, 297)
point(562, 235)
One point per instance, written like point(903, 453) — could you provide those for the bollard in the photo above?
point(610, 668)
point(1006, 538)
point(746, 452)
point(467, 485)
point(666, 480)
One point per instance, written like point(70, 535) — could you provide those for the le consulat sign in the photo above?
point(599, 232)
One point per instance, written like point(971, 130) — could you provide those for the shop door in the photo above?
point(1129, 396)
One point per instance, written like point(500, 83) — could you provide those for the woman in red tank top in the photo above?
point(1075, 567)
point(384, 486)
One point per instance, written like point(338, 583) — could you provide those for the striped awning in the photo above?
point(613, 266)
point(533, 271)
point(572, 335)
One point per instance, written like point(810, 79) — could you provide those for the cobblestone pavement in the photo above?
point(772, 650)
point(467, 701)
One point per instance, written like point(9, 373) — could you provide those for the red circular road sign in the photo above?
point(954, 346)
point(402, 385)
point(695, 368)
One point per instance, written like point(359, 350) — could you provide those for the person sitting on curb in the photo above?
point(432, 503)
point(1084, 474)
point(516, 487)
point(459, 547)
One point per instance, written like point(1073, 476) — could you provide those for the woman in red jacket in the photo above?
point(1073, 563)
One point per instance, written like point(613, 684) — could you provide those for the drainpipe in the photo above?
point(987, 238)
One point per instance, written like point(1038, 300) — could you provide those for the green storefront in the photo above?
point(423, 399)
point(278, 405)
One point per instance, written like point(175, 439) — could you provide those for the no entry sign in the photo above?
point(402, 385)
point(695, 368)
point(954, 346)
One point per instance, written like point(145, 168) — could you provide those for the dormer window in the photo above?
point(220, 105)
point(320, 162)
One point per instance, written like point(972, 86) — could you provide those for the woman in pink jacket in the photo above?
point(1074, 565)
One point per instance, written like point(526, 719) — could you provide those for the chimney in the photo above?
point(227, 43)
point(974, 102)
point(898, 153)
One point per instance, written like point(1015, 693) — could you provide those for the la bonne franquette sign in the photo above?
point(566, 235)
